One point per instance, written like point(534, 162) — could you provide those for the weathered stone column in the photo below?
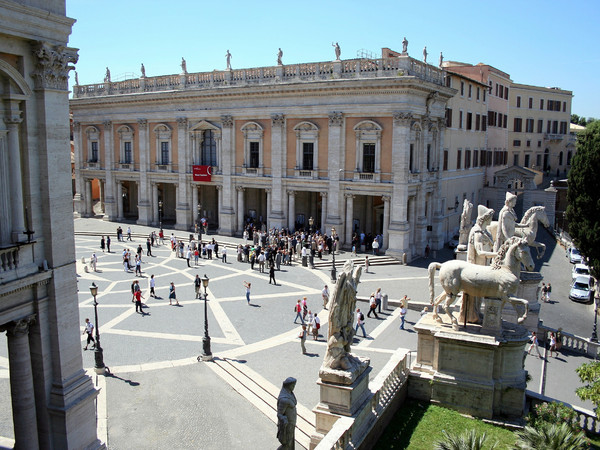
point(386, 220)
point(88, 211)
point(13, 120)
point(219, 189)
point(21, 384)
point(324, 213)
point(227, 216)
point(279, 167)
point(155, 218)
point(78, 207)
point(119, 199)
point(240, 209)
point(349, 216)
point(268, 191)
point(194, 208)
point(145, 203)
point(110, 201)
point(291, 210)
point(182, 207)
point(335, 163)
point(5, 221)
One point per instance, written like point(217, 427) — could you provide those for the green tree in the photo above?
point(574, 118)
point(583, 195)
point(582, 121)
point(589, 374)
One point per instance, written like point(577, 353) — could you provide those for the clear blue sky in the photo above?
point(542, 43)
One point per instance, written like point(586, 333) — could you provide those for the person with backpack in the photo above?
point(298, 311)
point(372, 306)
point(316, 327)
point(360, 322)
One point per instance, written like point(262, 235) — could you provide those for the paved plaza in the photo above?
point(159, 396)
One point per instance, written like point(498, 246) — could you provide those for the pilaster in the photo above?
point(109, 192)
point(182, 210)
point(145, 203)
point(278, 164)
point(335, 163)
point(227, 218)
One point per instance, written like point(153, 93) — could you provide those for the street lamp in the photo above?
point(199, 225)
point(333, 271)
point(206, 354)
point(160, 205)
point(98, 353)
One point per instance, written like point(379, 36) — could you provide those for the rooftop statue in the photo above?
point(425, 54)
point(441, 59)
point(279, 56)
point(404, 45)
point(107, 76)
point(338, 51)
point(184, 65)
point(143, 70)
point(228, 57)
point(339, 365)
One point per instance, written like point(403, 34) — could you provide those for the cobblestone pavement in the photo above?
point(160, 396)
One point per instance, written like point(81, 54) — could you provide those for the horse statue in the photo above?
point(499, 280)
point(528, 228)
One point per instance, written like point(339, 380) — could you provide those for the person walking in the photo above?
point(129, 233)
point(403, 311)
point(548, 292)
point(138, 265)
point(325, 295)
point(360, 322)
point(94, 262)
point(316, 327)
point(248, 286)
point(302, 337)
point(378, 296)
point(298, 311)
point(224, 255)
point(544, 292)
point(272, 274)
point(138, 302)
point(553, 345)
point(196, 255)
point(309, 321)
point(89, 329)
point(188, 256)
point(148, 247)
point(102, 243)
point(304, 308)
point(197, 284)
point(534, 344)
point(172, 294)
point(108, 244)
point(152, 284)
point(140, 251)
point(372, 306)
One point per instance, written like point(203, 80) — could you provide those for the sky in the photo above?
point(541, 43)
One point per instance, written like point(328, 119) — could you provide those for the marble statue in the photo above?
point(499, 280)
point(441, 59)
point(184, 65)
point(286, 414)
point(279, 56)
point(528, 227)
point(425, 54)
point(143, 70)
point(338, 51)
point(76, 79)
point(339, 365)
point(228, 57)
point(507, 221)
point(465, 224)
point(404, 45)
point(479, 251)
point(107, 76)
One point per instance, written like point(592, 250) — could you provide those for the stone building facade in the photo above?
point(355, 144)
point(53, 400)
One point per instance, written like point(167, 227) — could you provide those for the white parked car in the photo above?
point(574, 255)
point(580, 269)
point(453, 243)
point(582, 289)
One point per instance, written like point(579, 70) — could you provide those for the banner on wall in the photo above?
point(201, 173)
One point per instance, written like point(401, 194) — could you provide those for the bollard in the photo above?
point(384, 302)
point(404, 258)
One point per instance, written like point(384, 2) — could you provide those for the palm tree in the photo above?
point(467, 441)
point(550, 436)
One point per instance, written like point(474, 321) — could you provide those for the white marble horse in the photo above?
point(528, 228)
point(499, 280)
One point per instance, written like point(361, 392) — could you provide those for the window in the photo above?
point(484, 95)
point(308, 150)
point(528, 144)
point(254, 154)
point(208, 153)
point(428, 157)
point(368, 146)
point(530, 102)
point(517, 143)
point(550, 104)
point(162, 134)
point(540, 128)
point(477, 121)
point(369, 157)
point(411, 158)
point(505, 125)
point(127, 152)
point(555, 127)
point(477, 93)
point(527, 160)
point(548, 126)
point(470, 90)
point(484, 122)
point(467, 159)
point(462, 88)
point(93, 139)
point(475, 158)
point(448, 81)
point(541, 103)
point(518, 125)
point(563, 128)
point(164, 153)
point(469, 121)
point(488, 161)
point(518, 101)
point(538, 160)
point(449, 117)
point(94, 151)
point(557, 105)
point(539, 143)
point(460, 119)
point(445, 166)
point(501, 91)
point(569, 156)
point(529, 123)
point(458, 159)
point(505, 93)
point(560, 159)
point(497, 88)
point(125, 144)
point(564, 107)
point(515, 159)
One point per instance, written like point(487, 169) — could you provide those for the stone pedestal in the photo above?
point(529, 289)
point(460, 254)
point(338, 400)
point(471, 371)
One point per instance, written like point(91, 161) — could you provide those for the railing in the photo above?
point(571, 342)
point(92, 165)
point(349, 432)
point(318, 71)
point(9, 258)
point(553, 137)
point(586, 418)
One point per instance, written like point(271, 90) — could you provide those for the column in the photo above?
point(145, 204)
point(386, 220)
point(110, 201)
point(78, 157)
point(5, 221)
point(268, 191)
point(291, 209)
point(155, 218)
point(368, 226)
point(101, 184)
point(89, 204)
point(324, 213)
point(349, 217)
point(278, 171)
point(227, 217)
point(335, 163)
point(194, 207)
point(12, 121)
point(21, 384)
point(119, 200)
point(219, 189)
point(240, 209)
point(182, 206)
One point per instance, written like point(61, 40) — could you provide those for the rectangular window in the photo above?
point(469, 121)
point(369, 157)
point(501, 91)
point(564, 107)
point(550, 105)
point(518, 101)
point(411, 158)
point(449, 117)
point(208, 155)
point(538, 160)
point(557, 105)
point(94, 151)
point(541, 103)
point(528, 144)
point(460, 119)
point(483, 158)
point(164, 153)
point(529, 126)
point(505, 125)
point(127, 152)
point(467, 159)
point(448, 81)
point(477, 93)
point(484, 123)
point(518, 125)
point(555, 127)
point(527, 160)
point(470, 90)
point(445, 166)
point(540, 128)
point(484, 95)
point(548, 126)
point(475, 158)
point(428, 157)
point(462, 88)
point(477, 121)
point(497, 86)
point(254, 154)
point(563, 128)
point(530, 102)
point(505, 93)
point(458, 159)
point(308, 153)
point(517, 143)
point(539, 143)
point(489, 159)
point(515, 159)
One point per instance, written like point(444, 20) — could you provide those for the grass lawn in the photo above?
point(419, 426)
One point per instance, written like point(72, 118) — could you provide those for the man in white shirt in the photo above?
point(360, 322)
point(224, 254)
point(261, 262)
point(325, 294)
point(89, 329)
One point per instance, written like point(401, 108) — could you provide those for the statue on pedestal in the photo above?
point(76, 79)
point(465, 224)
point(338, 51)
point(404, 45)
point(339, 365)
point(107, 76)
point(184, 65)
point(286, 415)
point(441, 59)
point(425, 54)
point(228, 57)
point(143, 70)
point(279, 56)
point(507, 221)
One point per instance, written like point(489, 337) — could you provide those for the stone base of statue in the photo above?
point(337, 400)
point(529, 289)
point(471, 371)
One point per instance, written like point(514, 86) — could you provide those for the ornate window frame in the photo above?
point(196, 135)
point(367, 132)
point(253, 132)
point(307, 132)
point(93, 138)
point(163, 133)
point(126, 135)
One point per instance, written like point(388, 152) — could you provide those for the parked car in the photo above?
point(574, 255)
point(581, 289)
point(580, 269)
point(453, 243)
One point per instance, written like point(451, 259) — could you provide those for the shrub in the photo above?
point(553, 413)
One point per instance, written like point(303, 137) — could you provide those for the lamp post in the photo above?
point(594, 337)
point(160, 206)
point(206, 353)
point(98, 353)
point(199, 224)
point(311, 222)
point(333, 271)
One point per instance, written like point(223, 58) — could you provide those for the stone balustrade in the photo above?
point(401, 66)
point(388, 388)
point(17, 261)
point(9, 259)
point(587, 419)
point(571, 342)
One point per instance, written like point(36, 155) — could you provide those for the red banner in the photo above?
point(201, 173)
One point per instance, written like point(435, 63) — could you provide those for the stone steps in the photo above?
point(358, 261)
